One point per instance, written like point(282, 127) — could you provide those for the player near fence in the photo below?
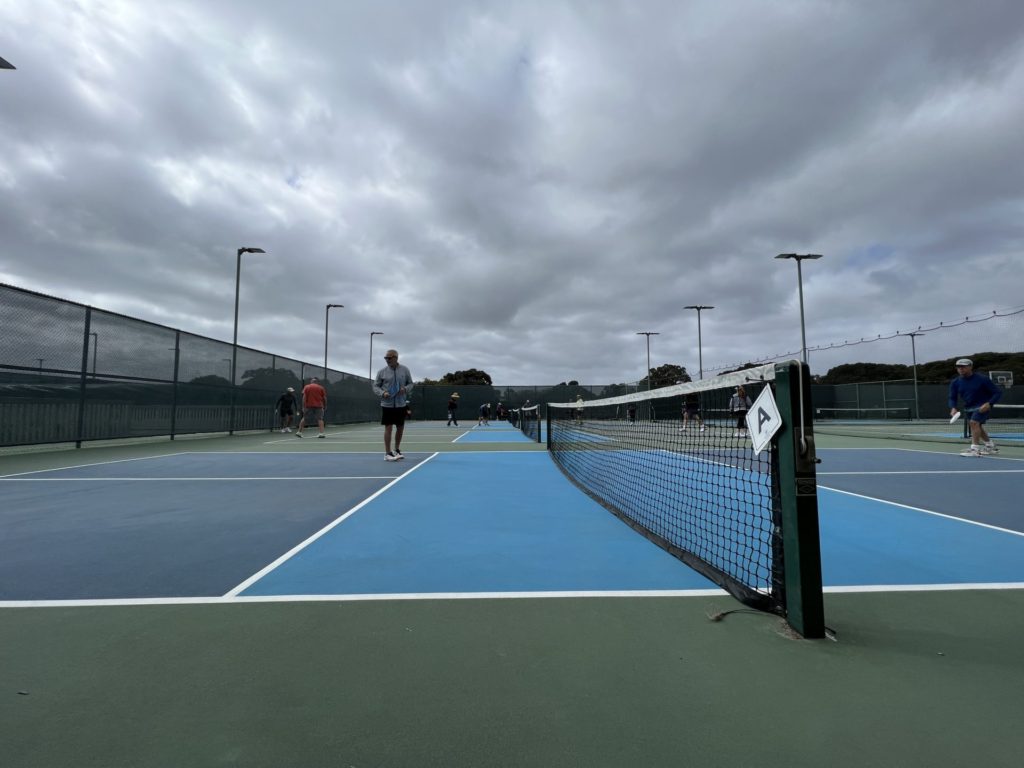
point(314, 401)
point(286, 405)
point(453, 407)
point(978, 394)
point(691, 410)
point(739, 404)
point(393, 385)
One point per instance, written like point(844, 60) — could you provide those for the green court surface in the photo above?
point(930, 678)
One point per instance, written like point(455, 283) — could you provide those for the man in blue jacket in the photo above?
point(979, 395)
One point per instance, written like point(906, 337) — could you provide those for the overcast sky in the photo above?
point(520, 186)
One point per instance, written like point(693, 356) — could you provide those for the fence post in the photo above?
point(81, 384)
point(174, 385)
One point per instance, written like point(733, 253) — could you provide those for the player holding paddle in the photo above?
point(979, 395)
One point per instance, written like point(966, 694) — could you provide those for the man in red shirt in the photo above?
point(314, 401)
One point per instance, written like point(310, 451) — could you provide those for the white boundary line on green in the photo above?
point(416, 596)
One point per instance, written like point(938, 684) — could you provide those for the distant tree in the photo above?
point(467, 377)
point(856, 373)
point(270, 378)
point(666, 375)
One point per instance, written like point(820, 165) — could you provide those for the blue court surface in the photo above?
point(274, 525)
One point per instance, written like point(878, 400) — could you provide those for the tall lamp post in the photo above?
point(234, 339)
point(648, 334)
point(798, 257)
point(95, 346)
point(327, 315)
point(700, 352)
point(913, 355)
point(372, 334)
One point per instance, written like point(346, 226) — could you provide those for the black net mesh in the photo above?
point(678, 465)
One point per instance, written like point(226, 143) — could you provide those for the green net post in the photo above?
point(799, 496)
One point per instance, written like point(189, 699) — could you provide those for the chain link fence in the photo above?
point(71, 373)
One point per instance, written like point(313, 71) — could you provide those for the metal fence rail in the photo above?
point(71, 373)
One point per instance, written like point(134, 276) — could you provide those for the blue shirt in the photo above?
point(975, 390)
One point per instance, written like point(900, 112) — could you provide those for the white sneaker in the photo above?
point(321, 435)
point(735, 434)
point(390, 457)
point(283, 431)
point(972, 451)
point(287, 429)
point(991, 448)
point(702, 428)
point(399, 455)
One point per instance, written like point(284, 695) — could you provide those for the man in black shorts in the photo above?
point(286, 409)
point(393, 384)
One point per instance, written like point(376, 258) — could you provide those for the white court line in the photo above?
point(926, 511)
point(417, 596)
point(299, 547)
point(922, 587)
point(930, 472)
point(182, 479)
point(94, 464)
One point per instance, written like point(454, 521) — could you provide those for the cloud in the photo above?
point(517, 187)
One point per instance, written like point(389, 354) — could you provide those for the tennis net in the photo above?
point(527, 419)
point(697, 488)
point(1005, 423)
point(862, 414)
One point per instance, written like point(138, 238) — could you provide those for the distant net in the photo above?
point(1005, 424)
point(862, 414)
point(528, 421)
point(677, 465)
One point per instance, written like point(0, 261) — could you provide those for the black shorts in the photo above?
point(287, 412)
point(394, 416)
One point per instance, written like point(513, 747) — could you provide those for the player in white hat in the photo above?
point(979, 394)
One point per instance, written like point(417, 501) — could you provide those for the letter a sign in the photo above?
point(763, 420)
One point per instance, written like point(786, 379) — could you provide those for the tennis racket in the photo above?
point(955, 417)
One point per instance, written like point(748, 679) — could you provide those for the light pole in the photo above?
point(700, 352)
point(95, 346)
point(372, 334)
point(327, 315)
point(231, 364)
point(40, 360)
point(234, 339)
point(648, 334)
point(800, 283)
point(913, 355)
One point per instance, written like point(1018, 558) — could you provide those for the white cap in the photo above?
point(964, 361)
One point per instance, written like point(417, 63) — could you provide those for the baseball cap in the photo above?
point(291, 389)
point(964, 361)
point(455, 394)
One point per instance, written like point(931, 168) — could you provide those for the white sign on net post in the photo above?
point(763, 420)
